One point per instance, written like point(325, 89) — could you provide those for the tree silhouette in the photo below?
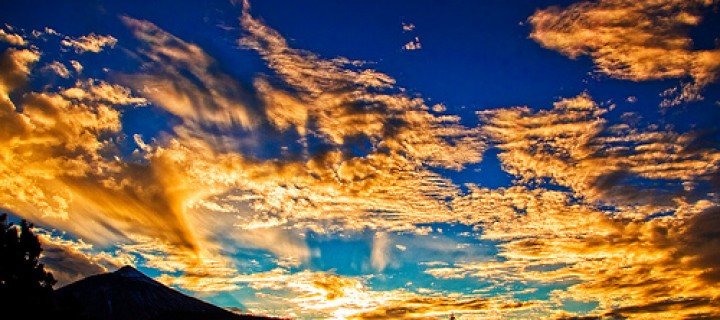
point(25, 286)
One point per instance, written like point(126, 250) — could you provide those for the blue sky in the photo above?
point(404, 159)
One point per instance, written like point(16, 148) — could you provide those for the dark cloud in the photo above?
point(68, 265)
point(700, 243)
point(666, 306)
point(418, 308)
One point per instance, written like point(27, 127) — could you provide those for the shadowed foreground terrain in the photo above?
point(129, 294)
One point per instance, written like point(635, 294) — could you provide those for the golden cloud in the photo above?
point(571, 145)
point(98, 91)
point(633, 264)
point(12, 38)
point(634, 40)
point(59, 167)
point(89, 43)
point(60, 164)
point(182, 198)
point(657, 268)
point(217, 99)
point(660, 267)
point(321, 294)
point(58, 68)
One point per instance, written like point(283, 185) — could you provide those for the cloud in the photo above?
point(304, 70)
point(439, 308)
point(321, 189)
point(208, 97)
point(76, 65)
point(693, 308)
point(59, 69)
point(59, 165)
point(407, 26)
point(89, 43)
point(413, 45)
point(632, 40)
point(380, 251)
point(628, 222)
point(343, 106)
point(330, 296)
point(70, 261)
point(288, 247)
point(573, 146)
point(12, 38)
point(546, 237)
point(625, 256)
point(98, 91)
point(202, 270)
point(16, 66)
point(697, 241)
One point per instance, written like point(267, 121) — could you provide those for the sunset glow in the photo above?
point(374, 160)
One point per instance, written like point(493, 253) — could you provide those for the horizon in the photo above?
point(372, 160)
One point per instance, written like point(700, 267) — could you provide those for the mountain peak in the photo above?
point(129, 272)
point(128, 294)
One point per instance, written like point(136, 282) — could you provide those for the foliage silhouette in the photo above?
point(25, 286)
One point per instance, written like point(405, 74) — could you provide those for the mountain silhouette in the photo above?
point(128, 294)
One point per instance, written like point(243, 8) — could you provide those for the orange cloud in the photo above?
point(89, 43)
point(634, 40)
point(181, 199)
point(572, 145)
point(218, 99)
point(93, 90)
point(637, 268)
point(12, 38)
point(58, 164)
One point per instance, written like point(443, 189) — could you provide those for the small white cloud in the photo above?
point(407, 26)
point(51, 31)
point(413, 45)
point(688, 92)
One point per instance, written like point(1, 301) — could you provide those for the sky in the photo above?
point(374, 159)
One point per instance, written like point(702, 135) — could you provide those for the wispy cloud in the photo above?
point(89, 43)
point(549, 236)
point(98, 91)
point(603, 210)
point(58, 68)
point(573, 146)
point(407, 26)
point(60, 147)
point(331, 296)
point(58, 161)
point(216, 100)
point(634, 40)
point(619, 263)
